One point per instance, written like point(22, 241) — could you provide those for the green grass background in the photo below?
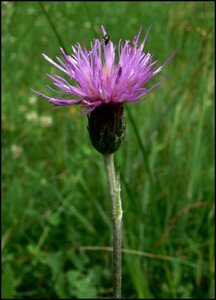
point(55, 197)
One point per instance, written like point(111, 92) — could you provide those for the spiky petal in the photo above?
point(95, 78)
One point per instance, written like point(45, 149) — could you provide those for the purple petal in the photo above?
point(58, 101)
point(166, 62)
point(136, 38)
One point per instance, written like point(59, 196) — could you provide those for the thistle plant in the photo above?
point(101, 85)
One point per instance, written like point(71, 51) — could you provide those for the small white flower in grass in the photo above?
point(16, 150)
point(32, 100)
point(22, 108)
point(31, 11)
point(43, 181)
point(133, 20)
point(12, 39)
point(46, 121)
point(87, 24)
point(32, 116)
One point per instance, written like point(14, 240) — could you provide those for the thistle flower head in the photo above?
point(101, 83)
point(95, 77)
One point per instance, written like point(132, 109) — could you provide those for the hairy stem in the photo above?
point(114, 190)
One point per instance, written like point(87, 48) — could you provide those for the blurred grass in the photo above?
point(54, 188)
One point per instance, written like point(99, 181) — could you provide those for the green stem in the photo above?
point(52, 25)
point(114, 190)
point(141, 145)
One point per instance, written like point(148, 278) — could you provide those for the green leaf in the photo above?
point(73, 276)
point(85, 289)
point(81, 285)
point(54, 220)
point(60, 287)
point(54, 261)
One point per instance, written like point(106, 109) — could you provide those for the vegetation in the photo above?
point(56, 224)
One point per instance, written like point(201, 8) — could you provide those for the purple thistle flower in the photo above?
point(101, 86)
point(98, 79)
